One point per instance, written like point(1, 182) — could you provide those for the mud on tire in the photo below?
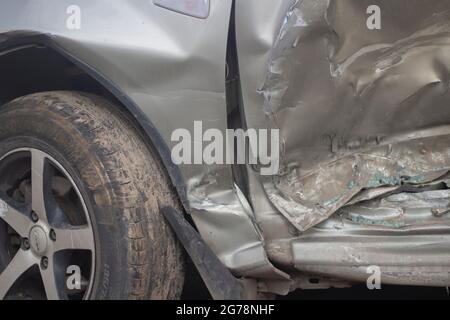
point(121, 181)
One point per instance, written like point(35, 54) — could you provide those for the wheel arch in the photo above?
point(67, 72)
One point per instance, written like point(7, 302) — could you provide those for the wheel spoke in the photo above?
point(49, 278)
point(50, 203)
point(15, 219)
point(74, 239)
point(22, 261)
point(37, 184)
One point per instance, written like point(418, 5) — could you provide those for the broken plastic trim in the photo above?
point(221, 284)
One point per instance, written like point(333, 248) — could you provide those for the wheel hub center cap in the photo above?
point(38, 240)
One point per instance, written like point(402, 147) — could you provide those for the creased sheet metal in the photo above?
point(357, 109)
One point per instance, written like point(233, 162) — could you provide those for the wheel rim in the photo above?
point(47, 230)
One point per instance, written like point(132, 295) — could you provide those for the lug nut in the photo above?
point(25, 244)
point(53, 235)
point(34, 216)
point(44, 263)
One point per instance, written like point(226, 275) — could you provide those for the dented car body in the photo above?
point(363, 117)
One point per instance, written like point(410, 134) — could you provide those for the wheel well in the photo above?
point(37, 67)
point(35, 64)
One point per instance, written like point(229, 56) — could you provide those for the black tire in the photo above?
point(121, 181)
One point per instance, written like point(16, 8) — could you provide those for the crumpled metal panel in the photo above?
point(357, 109)
point(333, 185)
point(402, 207)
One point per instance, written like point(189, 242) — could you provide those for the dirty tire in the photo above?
point(121, 181)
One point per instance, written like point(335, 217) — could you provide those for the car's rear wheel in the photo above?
point(82, 191)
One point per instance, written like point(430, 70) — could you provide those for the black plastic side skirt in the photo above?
point(221, 284)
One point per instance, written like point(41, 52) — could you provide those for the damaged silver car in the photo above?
point(93, 205)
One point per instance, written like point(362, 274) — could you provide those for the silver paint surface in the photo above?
point(152, 55)
point(361, 113)
point(340, 93)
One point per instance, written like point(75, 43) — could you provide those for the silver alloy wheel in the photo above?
point(42, 235)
